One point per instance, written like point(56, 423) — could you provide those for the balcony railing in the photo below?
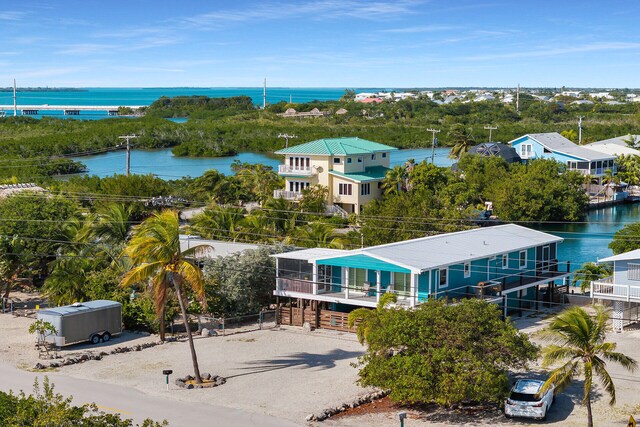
point(288, 195)
point(297, 170)
point(294, 285)
point(606, 289)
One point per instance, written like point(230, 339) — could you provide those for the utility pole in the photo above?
point(128, 138)
point(518, 99)
point(490, 128)
point(580, 129)
point(286, 137)
point(434, 141)
point(15, 99)
point(264, 94)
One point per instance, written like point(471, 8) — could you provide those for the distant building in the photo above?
point(496, 149)
point(11, 189)
point(213, 248)
point(313, 113)
point(582, 102)
point(615, 146)
point(554, 146)
point(351, 168)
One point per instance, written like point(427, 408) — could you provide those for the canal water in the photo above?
point(583, 241)
point(165, 165)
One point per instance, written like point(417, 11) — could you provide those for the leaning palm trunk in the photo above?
point(185, 319)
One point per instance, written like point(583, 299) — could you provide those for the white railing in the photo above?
point(288, 195)
point(606, 289)
point(337, 211)
point(297, 170)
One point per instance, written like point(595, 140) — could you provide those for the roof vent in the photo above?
point(76, 304)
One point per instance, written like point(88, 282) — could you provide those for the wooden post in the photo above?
point(317, 314)
point(290, 312)
point(537, 296)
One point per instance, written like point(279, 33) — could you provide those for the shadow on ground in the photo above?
point(297, 360)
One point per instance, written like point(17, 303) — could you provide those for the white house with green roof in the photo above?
point(351, 168)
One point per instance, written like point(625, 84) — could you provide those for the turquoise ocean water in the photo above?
point(145, 96)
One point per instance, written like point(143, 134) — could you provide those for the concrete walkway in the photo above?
point(131, 403)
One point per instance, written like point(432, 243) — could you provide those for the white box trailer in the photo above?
point(93, 321)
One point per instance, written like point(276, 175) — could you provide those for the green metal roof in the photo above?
point(374, 173)
point(337, 147)
point(362, 261)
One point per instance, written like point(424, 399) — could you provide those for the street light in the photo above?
point(401, 417)
point(166, 373)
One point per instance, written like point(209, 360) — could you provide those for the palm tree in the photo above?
point(368, 319)
point(462, 140)
point(317, 234)
point(577, 339)
point(608, 179)
point(589, 272)
point(155, 253)
point(395, 181)
point(218, 221)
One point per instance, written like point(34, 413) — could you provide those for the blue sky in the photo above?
point(320, 43)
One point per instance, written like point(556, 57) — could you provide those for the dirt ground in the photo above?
point(289, 373)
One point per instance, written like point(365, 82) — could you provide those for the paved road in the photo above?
point(136, 405)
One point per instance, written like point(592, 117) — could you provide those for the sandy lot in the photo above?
point(288, 373)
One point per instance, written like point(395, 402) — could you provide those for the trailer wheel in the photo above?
point(95, 339)
point(106, 337)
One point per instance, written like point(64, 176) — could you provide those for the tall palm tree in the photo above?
point(577, 339)
point(367, 319)
point(157, 259)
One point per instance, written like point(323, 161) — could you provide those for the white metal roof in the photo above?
point(454, 248)
point(441, 250)
point(614, 146)
point(311, 254)
point(627, 256)
point(214, 248)
point(556, 142)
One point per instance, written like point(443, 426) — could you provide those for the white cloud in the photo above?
point(319, 9)
point(422, 29)
point(12, 15)
point(541, 52)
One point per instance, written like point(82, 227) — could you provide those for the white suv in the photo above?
point(525, 400)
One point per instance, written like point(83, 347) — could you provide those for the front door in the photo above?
point(546, 255)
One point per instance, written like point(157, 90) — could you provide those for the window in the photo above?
point(384, 155)
point(365, 189)
point(348, 159)
point(443, 278)
point(523, 259)
point(344, 189)
point(337, 160)
point(467, 270)
point(360, 159)
point(373, 157)
point(633, 271)
point(401, 283)
point(379, 185)
point(505, 261)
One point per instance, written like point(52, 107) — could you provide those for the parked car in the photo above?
point(526, 401)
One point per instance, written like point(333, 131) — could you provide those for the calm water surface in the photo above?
point(165, 165)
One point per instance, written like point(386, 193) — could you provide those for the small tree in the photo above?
point(42, 330)
point(626, 239)
point(444, 354)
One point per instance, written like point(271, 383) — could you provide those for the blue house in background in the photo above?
point(554, 146)
point(507, 264)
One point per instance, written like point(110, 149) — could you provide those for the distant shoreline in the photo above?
point(43, 89)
